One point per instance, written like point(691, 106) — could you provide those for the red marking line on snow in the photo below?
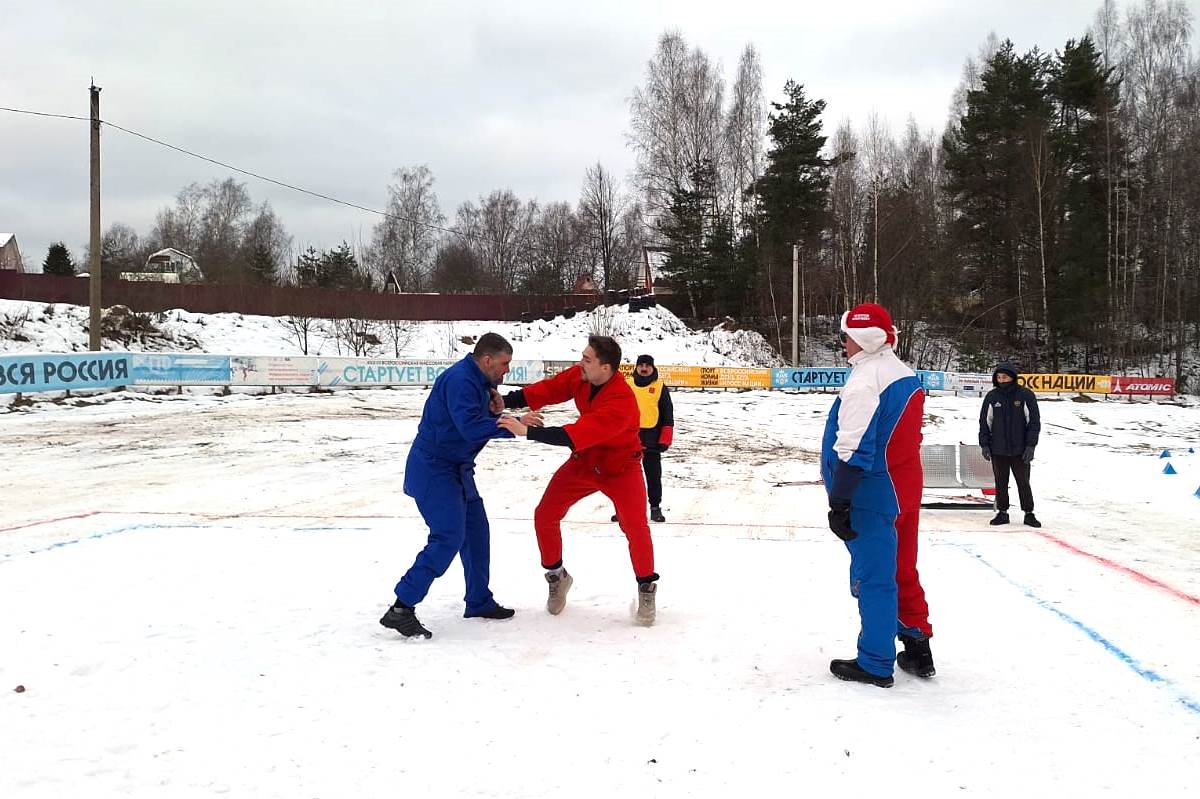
point(1134, 573)
point(51, 521)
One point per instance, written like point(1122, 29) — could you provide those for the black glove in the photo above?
point(839, 522)
point(1028, 456)
point(986, 452)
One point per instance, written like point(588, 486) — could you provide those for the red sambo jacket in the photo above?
point(605, 437)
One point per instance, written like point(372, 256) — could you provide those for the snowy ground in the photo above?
point(190, 588)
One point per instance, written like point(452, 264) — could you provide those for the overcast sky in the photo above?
point(334, 96)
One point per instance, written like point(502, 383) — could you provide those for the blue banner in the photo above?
point(932, 381)
point(63, 372)
point(809, 378)
point(173, 369)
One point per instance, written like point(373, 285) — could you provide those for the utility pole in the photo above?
point(94, 261)
point(795, 301)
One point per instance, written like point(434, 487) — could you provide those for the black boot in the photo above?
point(656, 514)
point(916, 658)
point(1001, 518)
point(496, 611)
point(404, 620)
point(850, 670)
point(1031, 520)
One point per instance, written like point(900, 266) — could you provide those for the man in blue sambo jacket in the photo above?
point(459, 418)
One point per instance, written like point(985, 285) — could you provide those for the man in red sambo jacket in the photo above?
point(606, 453)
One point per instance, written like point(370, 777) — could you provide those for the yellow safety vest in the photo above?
point(647, 399)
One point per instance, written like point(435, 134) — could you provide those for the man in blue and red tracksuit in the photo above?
point(459, 418)
point(606, 455)
point(871, 464)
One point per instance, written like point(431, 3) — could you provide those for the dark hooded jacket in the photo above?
point(1009, 420)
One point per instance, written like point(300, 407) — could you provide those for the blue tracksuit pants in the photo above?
point(452, 508)
point(873, 583)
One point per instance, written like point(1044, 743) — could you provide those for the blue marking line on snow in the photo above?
point(129, 528)
point(102, 534)
point(1147, 674)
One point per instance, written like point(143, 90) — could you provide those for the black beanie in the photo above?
point(644, 359)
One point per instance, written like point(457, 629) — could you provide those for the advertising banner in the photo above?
point(1156, 386)
point(175, 369)
point(398, 372)
point(378, 372)
point(63, 372)
point(1082, 384)
point(269, 370)
point(733, 377)
point(968, 382)
point(932, 381)
point(673, 376)
point(809, 377)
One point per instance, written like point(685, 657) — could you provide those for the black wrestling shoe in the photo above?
point(851, 671)
point(404, 621)
point(916, 658)
point(497, 612)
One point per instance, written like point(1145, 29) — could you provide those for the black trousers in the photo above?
point(1001, 466)
point(652, 465)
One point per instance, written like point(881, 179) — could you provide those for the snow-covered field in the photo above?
point(190, 588)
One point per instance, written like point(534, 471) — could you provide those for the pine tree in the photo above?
point(686, 226)
point(261, 267)
point(58, 261)
point(1083, 93)
point(990, 155)
point(791, 193)
point(794, 186)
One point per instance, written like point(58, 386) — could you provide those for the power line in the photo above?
point(283, 184)
point(43, 114)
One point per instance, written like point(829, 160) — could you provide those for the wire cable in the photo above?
point(429, 225)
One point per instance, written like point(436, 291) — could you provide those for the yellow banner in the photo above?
point(1082, 384)
point(710, 376)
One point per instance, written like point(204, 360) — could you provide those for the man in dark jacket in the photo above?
point(459, 418)
point(657, 428)
point(1009, 424)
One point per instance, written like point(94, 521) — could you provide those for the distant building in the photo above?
point(585, 285)
point(167, 266)
point(10, 253)
point(390, 284)
point(650, 278)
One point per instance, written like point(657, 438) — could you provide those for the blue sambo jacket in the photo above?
point(455, 425)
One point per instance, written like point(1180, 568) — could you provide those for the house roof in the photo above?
point(4, 237)
point(171, 253)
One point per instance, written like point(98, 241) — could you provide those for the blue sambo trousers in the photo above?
point(452, 508)
point(873, 583)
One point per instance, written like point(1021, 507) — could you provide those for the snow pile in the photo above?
point(38, 327)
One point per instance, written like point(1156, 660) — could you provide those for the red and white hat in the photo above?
point(870, 325)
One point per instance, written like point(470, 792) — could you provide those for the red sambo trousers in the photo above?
point(575, 480)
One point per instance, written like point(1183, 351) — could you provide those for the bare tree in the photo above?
point(847, 199)
point(405, 242)
point(601, 206)
point(880, 152)
point(359, 337)
point(745, 133)
point(552, 263)
point(500, 230)
point(675, 121)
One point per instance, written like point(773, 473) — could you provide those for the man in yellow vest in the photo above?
point(657, 428)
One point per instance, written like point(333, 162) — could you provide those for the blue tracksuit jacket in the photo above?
point(440, 475)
